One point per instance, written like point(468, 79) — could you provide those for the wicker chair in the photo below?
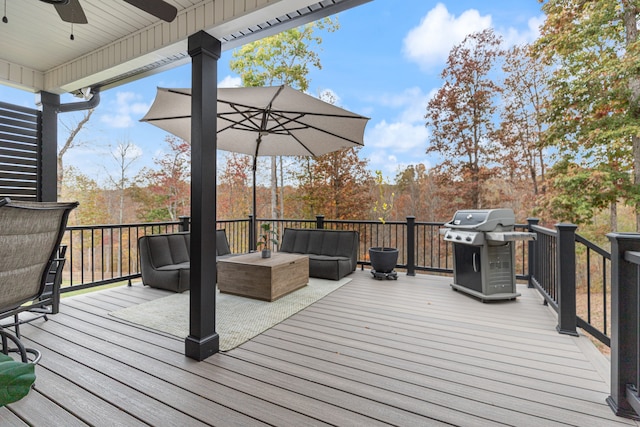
point(30, 236)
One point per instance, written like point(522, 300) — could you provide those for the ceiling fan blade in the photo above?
point(158, 8)
point(70, 11)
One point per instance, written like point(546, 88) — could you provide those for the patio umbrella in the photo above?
point(264, 121)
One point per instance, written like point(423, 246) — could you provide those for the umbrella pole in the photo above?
point(253, 217)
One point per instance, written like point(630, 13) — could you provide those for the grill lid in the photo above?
point(483, 220)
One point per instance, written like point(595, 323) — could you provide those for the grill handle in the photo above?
point(475, 262)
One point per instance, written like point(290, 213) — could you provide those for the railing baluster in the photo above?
point(588, 285)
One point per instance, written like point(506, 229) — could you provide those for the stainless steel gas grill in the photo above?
point(483, 252)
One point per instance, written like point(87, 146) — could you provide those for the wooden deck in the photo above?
point(410, 352)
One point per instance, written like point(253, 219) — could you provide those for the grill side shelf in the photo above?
point(510, 236)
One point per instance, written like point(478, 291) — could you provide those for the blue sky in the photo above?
point(384, 63)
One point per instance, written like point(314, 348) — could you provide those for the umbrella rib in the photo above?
point(168, 118)
point(308, 126)
point(178, 92)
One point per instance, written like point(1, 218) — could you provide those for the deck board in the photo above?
point(406, 352)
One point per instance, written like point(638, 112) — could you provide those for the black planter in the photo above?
point(383, 260)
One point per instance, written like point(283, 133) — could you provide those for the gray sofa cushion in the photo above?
point(168, 249)
point(332, 253)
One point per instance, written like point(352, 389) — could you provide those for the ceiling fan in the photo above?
point(71, 10)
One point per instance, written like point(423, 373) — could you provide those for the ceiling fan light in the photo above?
point(60, 2)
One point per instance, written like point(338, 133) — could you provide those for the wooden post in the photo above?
point(624, 324)
point(566, 276)
point(203, 341)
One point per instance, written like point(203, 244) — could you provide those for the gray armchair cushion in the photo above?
point(165, 259)
point(222, 244)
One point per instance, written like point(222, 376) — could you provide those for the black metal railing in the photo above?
point(105, 254)
point(420, 246)
point(572, 274)
point(593, 290)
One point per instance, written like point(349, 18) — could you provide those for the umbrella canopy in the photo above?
point(264, 121)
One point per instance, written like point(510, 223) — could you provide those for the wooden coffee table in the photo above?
point(267, 279)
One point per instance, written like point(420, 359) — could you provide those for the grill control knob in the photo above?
point(468, 239)
point(458, 238)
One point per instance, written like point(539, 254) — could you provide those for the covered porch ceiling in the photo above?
point(121, 43)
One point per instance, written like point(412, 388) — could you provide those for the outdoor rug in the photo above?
point(238, 319)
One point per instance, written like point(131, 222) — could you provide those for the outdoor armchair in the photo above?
point(165, 259)
point(30, 236)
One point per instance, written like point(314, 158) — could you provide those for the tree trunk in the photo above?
point(68, 144)
point(274, 187)
point(636, 174)
point(281, 188)
point(60, 177)
point(613, 221)
point(631, 32)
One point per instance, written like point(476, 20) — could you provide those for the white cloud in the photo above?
point(400, 137)
point(117, 120)
point(514, 37)
point(405, 135)
point(407, 130)
point(123, 108)
point(429, 43)
point(230, 81)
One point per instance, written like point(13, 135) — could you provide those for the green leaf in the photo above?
point(16, 379)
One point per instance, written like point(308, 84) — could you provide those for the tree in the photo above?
point(337, 185)
point(69, 143)
point(594, 110)
point(461, 114)
point(124, 154)
point(284, 58)
point(93, 206)
point(165, 190)
point(416, 193)
point(522, 125)
point(577, 192)
point(235, 180)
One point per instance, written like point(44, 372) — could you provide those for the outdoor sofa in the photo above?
point(165, 261)
point(332, 253)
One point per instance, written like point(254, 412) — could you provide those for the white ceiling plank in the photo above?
point(121, 42)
